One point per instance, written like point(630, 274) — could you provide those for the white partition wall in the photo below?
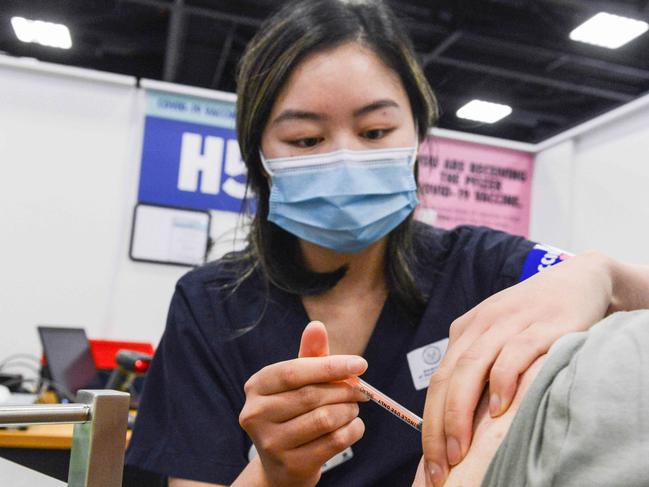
point(612, 191)
point(70, 143)
point(68, 149)
point(552, 208)
point(591, 191)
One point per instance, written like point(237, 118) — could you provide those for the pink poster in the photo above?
point(468, 183)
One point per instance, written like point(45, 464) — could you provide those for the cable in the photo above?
point(17, 364)
point(14, 356)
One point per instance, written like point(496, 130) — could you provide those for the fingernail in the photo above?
point(355, 365)
point(453, 451)
point(434, 474)
point(363, 397)
point(494, 404)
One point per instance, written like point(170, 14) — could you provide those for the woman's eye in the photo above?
point(376, 134)
point(306, 142)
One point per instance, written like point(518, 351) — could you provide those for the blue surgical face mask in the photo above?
point(343, 200)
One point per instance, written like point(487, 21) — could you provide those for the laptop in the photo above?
point(69, 360)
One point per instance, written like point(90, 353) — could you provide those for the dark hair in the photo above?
point(297, 30)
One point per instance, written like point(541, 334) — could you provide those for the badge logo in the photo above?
point(431, 355)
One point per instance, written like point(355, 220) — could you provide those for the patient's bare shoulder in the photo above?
point(488, 434)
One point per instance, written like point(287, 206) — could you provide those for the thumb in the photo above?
point(315, 342)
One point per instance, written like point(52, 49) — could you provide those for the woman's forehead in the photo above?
point(340, 79)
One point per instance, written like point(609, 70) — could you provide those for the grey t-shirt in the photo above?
point(584, 421)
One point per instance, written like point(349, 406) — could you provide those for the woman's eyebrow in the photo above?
point(291, 114)
point(298, 115)
point(376, 105)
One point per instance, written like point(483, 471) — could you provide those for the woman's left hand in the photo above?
point(497, 341)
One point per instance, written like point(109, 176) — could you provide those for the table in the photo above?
point(40, 436)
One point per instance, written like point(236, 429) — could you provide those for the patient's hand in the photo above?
point(489, 434)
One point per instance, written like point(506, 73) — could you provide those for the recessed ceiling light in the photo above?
point(608, 30)
point(484, 111)
point(40, 32)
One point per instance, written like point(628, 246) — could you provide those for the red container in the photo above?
point(104, 351)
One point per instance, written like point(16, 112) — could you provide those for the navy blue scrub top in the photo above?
point(216, 338)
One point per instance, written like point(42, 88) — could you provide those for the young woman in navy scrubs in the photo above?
point(331, 106)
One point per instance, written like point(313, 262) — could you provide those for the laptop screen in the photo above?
point(69, 359)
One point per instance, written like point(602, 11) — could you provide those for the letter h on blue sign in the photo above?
point(191, 166)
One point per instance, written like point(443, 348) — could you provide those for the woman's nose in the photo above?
point(347, 140)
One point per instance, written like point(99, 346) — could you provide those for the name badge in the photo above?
point(424, 361)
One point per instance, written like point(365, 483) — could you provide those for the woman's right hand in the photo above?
point(298, 413)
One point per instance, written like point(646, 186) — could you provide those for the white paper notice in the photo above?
point(187, 242)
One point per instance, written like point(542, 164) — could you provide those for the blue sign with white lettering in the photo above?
point(540, 258)
point(190, 154)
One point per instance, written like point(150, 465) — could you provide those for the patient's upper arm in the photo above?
point(191, 483)
point(488, 434)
